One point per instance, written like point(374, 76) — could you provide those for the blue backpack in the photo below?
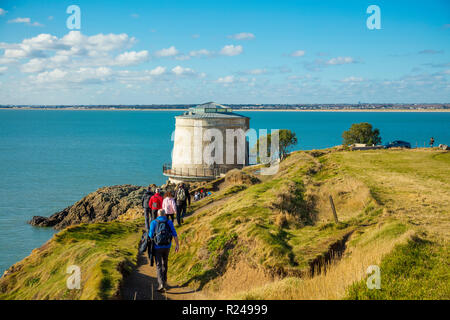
point(163, 234)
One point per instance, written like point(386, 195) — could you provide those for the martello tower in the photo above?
point(209, 140)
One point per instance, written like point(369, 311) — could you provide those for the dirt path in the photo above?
point(142, 283)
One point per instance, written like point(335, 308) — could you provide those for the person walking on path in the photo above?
point(182, 198)
point(431, 142)
point(169, 206)
point(162, 231)
point(155, 203)
point(145, 204)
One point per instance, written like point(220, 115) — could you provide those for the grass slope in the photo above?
point(103, 251)
point(415, 270)
point(247, 241)
point(411, 191)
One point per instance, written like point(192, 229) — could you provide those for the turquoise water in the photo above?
point(50, 159)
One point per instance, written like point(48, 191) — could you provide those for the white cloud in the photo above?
point(199, 53)
point(157, 71)
point(352, 79)
point(72, 44)
point(14, 53)
point(179, 70)
point(257, 71)
point(92, 74)
point(80, 43)
point(4, 60)
point(340, 60)
point(26, 21)
point(431, 51)
point(182, 57)
point(2, 12)
point(231, 50)
point(298, 53)
point(3, 69)
point(81, 75)
point(34, 65)
point(242, 36)
point(49, 76)
point(226, 79)
point(131, 57)
point(43, 41)
point(59, 59)
point(20, 20)
point(168, 52)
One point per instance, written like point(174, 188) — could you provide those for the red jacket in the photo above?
point(155, 202)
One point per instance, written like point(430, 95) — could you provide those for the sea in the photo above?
point(50, 159)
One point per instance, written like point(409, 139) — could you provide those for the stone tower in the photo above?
point(209, 140)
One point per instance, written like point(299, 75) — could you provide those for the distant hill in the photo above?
point(275, 106)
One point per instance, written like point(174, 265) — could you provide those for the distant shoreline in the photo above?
point(234, 110)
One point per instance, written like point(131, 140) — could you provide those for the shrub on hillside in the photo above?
point(361, 133)
point(235, 177)
point(289, 200)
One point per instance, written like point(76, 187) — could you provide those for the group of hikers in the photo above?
point(160, 211)
point(201, 194)
point(173, 204)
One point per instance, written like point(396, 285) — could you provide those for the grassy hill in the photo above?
point(274, 237)
point(103, 251)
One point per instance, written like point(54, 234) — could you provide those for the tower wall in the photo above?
point(189, 144)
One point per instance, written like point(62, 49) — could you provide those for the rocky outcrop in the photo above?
point(103, 205)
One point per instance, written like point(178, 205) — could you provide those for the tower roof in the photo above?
point(210, 110)
point(210, 107)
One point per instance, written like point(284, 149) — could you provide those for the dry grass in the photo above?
point(131, 214)
point(238, 277)
point(236, 176)
point(331, 284)
point(411, 185)
point(350, 197)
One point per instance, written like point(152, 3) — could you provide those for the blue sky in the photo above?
point(152, 52)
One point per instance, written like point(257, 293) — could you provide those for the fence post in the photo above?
point(334, 210)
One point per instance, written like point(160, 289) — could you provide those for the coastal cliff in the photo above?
point(105, 204)
point(269, 238)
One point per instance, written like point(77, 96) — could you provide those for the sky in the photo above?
point(249, 52)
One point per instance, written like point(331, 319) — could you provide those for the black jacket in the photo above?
point(187, 200)
point(146, 198)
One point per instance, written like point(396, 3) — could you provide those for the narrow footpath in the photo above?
point(142, 283)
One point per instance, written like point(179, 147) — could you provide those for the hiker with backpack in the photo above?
point(182, 199)
point(155, 203)
point(169, 206)
point(161, 232)
point(145, 204)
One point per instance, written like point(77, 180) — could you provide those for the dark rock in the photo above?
point(103, 205)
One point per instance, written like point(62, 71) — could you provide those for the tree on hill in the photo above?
point(361, 133)
point(287, 139)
